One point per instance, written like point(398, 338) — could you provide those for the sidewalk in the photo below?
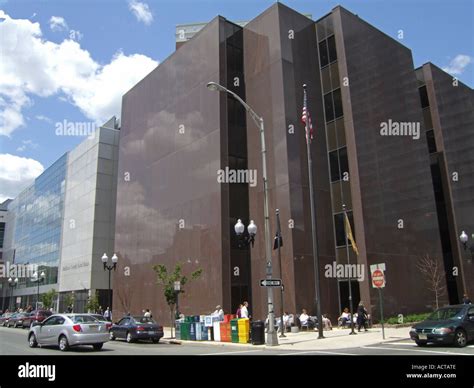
point(308, 340)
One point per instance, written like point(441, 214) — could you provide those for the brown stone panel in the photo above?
point(452, 109)
point(169, 210)
point(394, 180)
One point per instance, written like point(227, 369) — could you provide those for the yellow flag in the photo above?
point(349, 234)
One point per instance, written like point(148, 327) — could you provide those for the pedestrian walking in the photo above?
point(466, 300)
point(362, 316)
point(108, 314)
point(147, 314)
point(238, 313)
point(244, 311)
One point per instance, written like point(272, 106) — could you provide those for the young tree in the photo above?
point(92, 305)
point(48, 298)
point(125, 296)
point(68, 299)
point(434, 275)
point(167, 279)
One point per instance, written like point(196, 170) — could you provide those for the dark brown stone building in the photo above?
point(176, 135)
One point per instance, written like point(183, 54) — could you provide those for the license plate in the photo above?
point(151, 332)
point(422, 336)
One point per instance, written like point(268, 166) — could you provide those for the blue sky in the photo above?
point(102, 44)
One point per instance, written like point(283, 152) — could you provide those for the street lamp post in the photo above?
point(109, 268)
point(272, 338)
point(12, 283)
point(464, 238)
point(38, 280)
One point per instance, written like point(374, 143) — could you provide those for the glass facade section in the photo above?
point(38, 214)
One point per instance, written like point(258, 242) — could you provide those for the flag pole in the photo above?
point(351, 303)
point(317, 283)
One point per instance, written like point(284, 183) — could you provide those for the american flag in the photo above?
point(309, 127)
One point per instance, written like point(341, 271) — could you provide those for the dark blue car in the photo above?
point(448, 325)
point(135, 328)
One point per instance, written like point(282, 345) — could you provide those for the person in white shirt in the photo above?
point(244, 311)
point(219, 313)
point(345, 317)
point(147, 313)
point(304, 317)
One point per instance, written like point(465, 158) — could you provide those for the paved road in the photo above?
point(14, 342)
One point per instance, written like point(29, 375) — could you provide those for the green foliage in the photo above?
point(408, 318)
point(166, 280)
point(48, 298)
point(68, 299)
point(93, 303)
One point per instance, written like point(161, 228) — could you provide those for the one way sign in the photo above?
point(270, 283)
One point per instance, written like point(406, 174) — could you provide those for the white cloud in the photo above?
point(65, 70)
point(458, 64)
point(141, 11)
point(57, 23)
point(16, 173)
point(43, 118)
point(25, 144)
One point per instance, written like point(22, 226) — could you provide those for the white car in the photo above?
point(66, 330)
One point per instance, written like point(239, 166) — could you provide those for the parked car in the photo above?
point(101, 318)
point(135, 328)
point(66, 330)
point(4, 318)
point(447, 325)
point(16, 320)
point(36, 316)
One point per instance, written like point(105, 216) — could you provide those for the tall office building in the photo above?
point(177, 137)
point(64, 222)
point(448, 111)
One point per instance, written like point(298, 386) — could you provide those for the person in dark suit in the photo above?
point(466, 300)
point(362, 316)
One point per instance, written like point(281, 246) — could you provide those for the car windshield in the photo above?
point(143, 320)
point(446, 313)
point(82, 318)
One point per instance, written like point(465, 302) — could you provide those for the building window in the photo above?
point(333, 105)
point(430, 139)
point(327, 51)
point(323, 53)
point(424, 97)
point(339, 228)
point(2, 233)
point(328, 108)
point(332, 49)
point(339, 164)
point(337, 103)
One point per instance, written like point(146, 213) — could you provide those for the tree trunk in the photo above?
point(172, 314)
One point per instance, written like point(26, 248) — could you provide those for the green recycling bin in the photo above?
point(234, 330)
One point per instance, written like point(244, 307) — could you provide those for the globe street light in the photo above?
point(109, 268)
point(38, 280)
point(272, 338)
point(464, 238)
point(12, 283)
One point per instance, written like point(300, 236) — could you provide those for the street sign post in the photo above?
point(270, 283)
point(378, 281)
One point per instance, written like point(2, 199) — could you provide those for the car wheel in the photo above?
point(97, 346)
point(32, 341)
point(421, 343)
point(111, 336)
point(63, 344)
point(129, 337)
point(155, 340)
point(460, 339)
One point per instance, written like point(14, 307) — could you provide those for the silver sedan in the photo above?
point(66, 330)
